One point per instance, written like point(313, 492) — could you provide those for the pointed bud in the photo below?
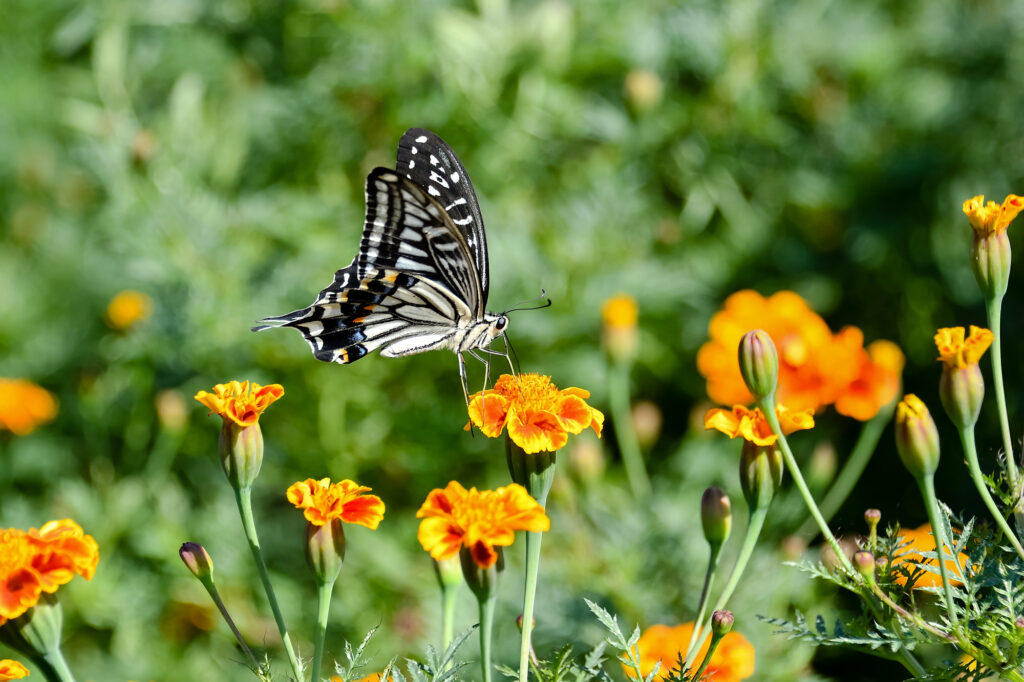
point(482, 581)
point(325, 549)
point(196, 559)
point(962, 391)
point(917, 439)
point(872, 517)
point(759, 363)
point(715, 516)
point(721, 622)
point(760, 473)
point(990, 261)
point(241, 453)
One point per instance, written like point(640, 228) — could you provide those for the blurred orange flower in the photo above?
point(733, 660)
point(24, 406)
point(375, 677)
point(619, 311)
point(41, 561)
point(922, 540)
point(12, 670)
point(959, 352)
point(816, 367)
point(322, 502)
point(751, 425)
point(539, 416)
point(478, 520)
point(240, 402)
point(127, 308)
point(991, 217)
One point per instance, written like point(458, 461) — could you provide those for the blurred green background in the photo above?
point(212, 156)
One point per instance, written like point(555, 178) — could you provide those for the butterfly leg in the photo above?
point(462, 377)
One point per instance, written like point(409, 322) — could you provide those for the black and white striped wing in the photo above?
point(429, 162)
point(405, 292)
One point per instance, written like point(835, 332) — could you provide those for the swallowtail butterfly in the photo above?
point(420, 279)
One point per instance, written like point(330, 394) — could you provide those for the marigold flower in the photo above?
point(322, 502)
point(127, 308)
point(24, 406)
point(877, 382)
point(958, 352)
point(478, 520)
point(240, 401)
point(539, 416)
point(12, 670)
point(40, 561)
point(917, 438)
point(620, 311)
point(991, 217)
point(751, 425)
point(733, 660)
point(921, 540)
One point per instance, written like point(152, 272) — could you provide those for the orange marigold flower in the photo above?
point(127, 308)
point(877, 382)
point(478, 520)
point(12, 670)
point(751, 425)
point(619, 312)
point(922, 540)
point(322, 502)
point(240, 401)
point(958, 352)
point(539, 416)
point(41, 560)
point(24, 406)
point(991, 217)
point(733, 660)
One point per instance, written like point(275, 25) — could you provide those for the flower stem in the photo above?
point(853, 468)
point(927, 485)
point(754, 526)
point(767, 406)
point(448, 595)
point(994, 308)
point(709, 577)
point(538, 485)
point(707, 658)
point(486, 635)
point(618, 395)
point(323, 608)
point(54, 667)
point(971, 457)
point(243, 497)
point(211, 589)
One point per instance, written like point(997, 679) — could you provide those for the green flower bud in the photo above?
point(196, 559)
point(715, 516)
point(482, 581)
point(37, 632)
point(721, 622)
point(325, 549)
point(872, 517)
point(759, 363)
point(761, 469)
point(917, 439)
point(962, 391)
point(990, 261)
point(241, 453)
point(864, 562)
point(449, 572)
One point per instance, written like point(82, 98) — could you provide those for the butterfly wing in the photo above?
point(406, 290)
point(429, 162)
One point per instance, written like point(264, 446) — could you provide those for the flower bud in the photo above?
point(449, 572)
point(759, 363)
point(760, 473)
point(196, 559)
point(721, 622)
point(962, 391)
point(519, 623)
point(864, 562)
point(917, 439)
point(325, 549)
point(872, 517)
point(37, 632)
point(1019, 622)
point(990, 261)
point(241, 453)
point(482, 581)
point(715, 516)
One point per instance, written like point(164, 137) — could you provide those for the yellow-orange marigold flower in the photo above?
point(127, 308)
point(922, 540)
point(240, 401)
point(12, 670)
point(619, 311)
point(751, 425)
point(478, 520)
point(538, 415)
point(992, 217)
point(322, 502)
point(24, 406)
point(732, 661)
point(41, 560)
point(959, 352)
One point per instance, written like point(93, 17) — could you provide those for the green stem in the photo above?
point(56, 668)
point(767, 406)
point(539, 485)
point(927, 485)
point(709, 577)
point(971, 458)
point(853, 468)
point(994, 307)
point(243, 497)
point(486, 635)
point(211, 589)
point(618, 396)
point(448, 595)
point(323, 609)
point(707, 658)
point(754, 526)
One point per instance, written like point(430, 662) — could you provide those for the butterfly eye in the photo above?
point(501, 323)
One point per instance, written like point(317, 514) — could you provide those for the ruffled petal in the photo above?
point(536, 431)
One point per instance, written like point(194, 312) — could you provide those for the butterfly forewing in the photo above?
point(429, 162)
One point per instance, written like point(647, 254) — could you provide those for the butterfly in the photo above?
point(420, 279)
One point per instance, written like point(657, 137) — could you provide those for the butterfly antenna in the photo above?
point(511, 355)
point(546, 304)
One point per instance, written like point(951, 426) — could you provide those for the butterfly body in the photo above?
point(420, 279)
